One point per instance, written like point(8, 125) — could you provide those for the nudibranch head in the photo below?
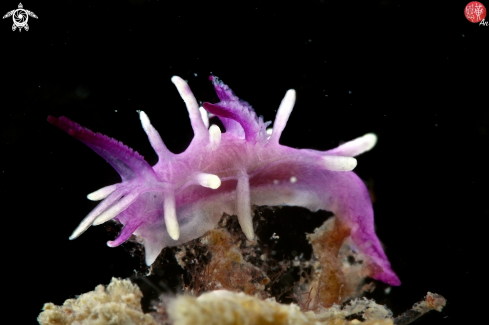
point(184, 195)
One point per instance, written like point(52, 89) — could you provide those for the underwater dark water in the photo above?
point(358, 67)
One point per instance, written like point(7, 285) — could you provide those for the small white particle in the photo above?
point(387, 290)
point(115, 110)
point(195, 74)
point(275, 181)
point(293, 179)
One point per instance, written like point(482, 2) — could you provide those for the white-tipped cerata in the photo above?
point(115, 209)
point(355, 147)
point(80, 229)
point(102, 193)
point(243, 206)
point(154, 137)
point(171, 215)
point(198, 125)
point(208, 180)
point(368, 141)
point(269, 133)
point(214, 136)
point(205, 116)
point(338, 163)
point(101, 207)
point(151, 250)
point(282, 116)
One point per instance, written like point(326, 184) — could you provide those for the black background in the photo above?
point(413, 74)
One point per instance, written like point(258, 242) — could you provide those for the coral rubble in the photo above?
point(432, 301)
point(231, 308)
point(118, 304)
point(340, 270)
point(232, 280)
point(224, 259)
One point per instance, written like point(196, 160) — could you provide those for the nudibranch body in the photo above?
point(184, 195)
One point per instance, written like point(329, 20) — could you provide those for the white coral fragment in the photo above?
point(228, 308)
point(119, 303)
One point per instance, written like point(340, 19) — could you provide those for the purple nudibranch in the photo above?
point(184, 195)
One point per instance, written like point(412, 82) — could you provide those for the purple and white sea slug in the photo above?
point(184, 195)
